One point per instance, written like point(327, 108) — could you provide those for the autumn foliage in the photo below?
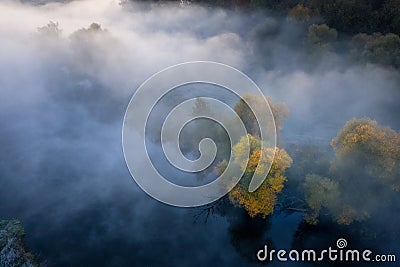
point(364, 174)
point(263, 200)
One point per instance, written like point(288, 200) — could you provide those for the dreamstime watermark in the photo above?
point(330, 254)
point(152, 91)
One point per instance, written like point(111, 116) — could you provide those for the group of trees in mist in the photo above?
point(262, 201)
point(364, 174)
point(353, 181)
point(366, 30)
point(377, 48)
point(344, 185)
point(348, 16)
point(365, 155)
point(369, 30)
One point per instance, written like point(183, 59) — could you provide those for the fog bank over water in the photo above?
point(63, 96)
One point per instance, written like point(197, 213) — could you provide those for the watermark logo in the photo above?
point(152, 91)
point(331, 254)
point(341, 243)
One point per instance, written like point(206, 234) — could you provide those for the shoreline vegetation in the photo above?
point(12, 249)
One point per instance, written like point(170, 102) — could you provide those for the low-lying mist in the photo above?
point(67, 73)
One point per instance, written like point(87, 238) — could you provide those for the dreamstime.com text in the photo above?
point(330, 254)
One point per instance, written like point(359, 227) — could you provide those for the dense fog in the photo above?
point(67, 73)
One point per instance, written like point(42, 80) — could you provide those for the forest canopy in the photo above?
point(373, 25)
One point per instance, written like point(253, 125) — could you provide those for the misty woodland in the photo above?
point(330, 71)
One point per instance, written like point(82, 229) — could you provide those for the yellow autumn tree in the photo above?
point(262, 201)
point(365, 174)
point(374, 148)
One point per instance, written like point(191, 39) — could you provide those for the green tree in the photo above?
point(321, 35)
point(383, 50)
point(279, 111)
point(320, 192)
point(377, 49)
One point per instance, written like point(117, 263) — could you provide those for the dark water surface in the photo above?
point(68, 183)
